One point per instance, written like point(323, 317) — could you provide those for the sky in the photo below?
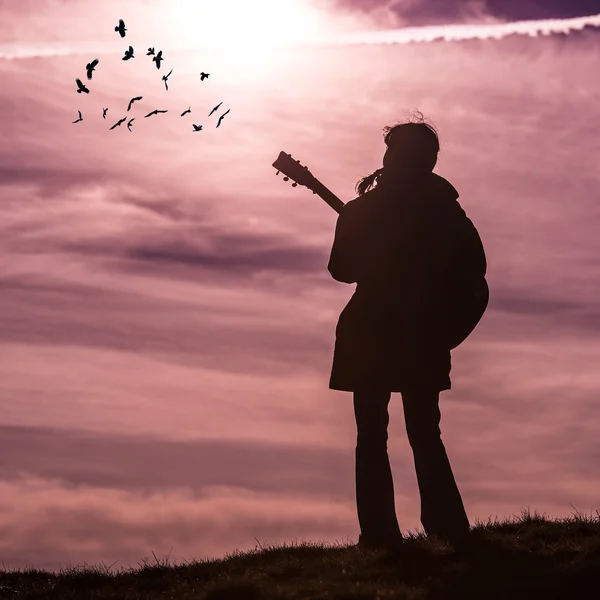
point(166, 312)
point(442, 12)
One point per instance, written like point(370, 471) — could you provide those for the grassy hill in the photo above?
point(529, 557)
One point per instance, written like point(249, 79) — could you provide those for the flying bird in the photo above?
point(197, 127)
point(121, 28)
point(185, 112)
point(215, 108)
point(158, 58)
point(90, 68)
point(129, 123)
point(155, 112)
point(203, 76)
point(221, 117)
point(128, 54)
point(80, 117)
point(132, 101)
point(119, 122)
point(81, 87)
point(165, 77)
point(104, 111)
point(150, 52)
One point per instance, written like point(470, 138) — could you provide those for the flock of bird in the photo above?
point(156, 58)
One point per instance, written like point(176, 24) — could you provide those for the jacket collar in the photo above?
point(404, 182)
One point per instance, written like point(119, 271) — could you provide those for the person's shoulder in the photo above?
point(444, 187)
point(360, 202)
point(446, 196)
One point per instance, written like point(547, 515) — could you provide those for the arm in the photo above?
point(344, 252)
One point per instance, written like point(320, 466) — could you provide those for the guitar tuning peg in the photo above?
point(277, 173)
point(286, 178)
point(294, 184)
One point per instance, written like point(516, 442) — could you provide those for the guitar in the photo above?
point(470, 298)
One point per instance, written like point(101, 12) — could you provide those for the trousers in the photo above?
point(442, 511)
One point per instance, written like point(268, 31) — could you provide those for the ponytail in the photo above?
point(367, 182)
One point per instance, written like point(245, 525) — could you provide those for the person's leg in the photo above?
point(374, 484)
point(442, 510)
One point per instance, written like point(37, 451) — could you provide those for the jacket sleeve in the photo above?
point(343, 261)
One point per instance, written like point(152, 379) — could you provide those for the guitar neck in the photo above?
point(328, 196)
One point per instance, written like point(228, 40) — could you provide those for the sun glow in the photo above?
point(246, 39)
point(244, 25)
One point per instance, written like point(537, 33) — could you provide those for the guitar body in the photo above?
point(466, 309)
point(469, 299)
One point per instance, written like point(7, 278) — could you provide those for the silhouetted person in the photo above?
point(399, 242)
point(132, 101)
point(157, 59)
point(128, 53)
point(222, 117)
point(90, 67)
point(214, 109)
point(185, 112)
point(81, 87)
point(121, 28)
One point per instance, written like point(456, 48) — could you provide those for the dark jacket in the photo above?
point(402, 243)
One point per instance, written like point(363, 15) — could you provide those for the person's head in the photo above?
point(412, 147)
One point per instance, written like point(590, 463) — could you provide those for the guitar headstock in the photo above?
point(293, 169)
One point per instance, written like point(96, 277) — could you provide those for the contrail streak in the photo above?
point(22, 51)
point(450, 33)
point(446, 33)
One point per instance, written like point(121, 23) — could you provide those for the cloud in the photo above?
point(79, 458)
point(440, 12)
point(70, 314)
point(417, 13)
point(204, 247)
point(49, 181)
point(109, 525)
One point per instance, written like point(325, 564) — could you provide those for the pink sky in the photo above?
point(168, 320)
